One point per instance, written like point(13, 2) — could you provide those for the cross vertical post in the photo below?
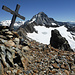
point(14, 17)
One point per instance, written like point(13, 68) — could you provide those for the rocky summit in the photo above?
point(20, 56)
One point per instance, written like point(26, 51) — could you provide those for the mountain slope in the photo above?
point(40, 26)
point(20, 56)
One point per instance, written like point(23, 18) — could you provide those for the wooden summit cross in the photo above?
point(15, 14)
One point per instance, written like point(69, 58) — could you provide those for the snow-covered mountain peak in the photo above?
point(43, 19)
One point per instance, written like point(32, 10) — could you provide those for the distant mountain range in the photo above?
point(7, 23)
point(41, 19)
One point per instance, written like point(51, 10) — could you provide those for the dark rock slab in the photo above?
point(59, 42)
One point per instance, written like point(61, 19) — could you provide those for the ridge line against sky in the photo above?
point(60, 10)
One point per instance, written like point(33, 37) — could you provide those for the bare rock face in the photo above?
point(42, 19)
point(26, 28)
point(59, 42)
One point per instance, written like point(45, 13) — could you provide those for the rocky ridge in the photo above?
point(20, 56)
point(27, 28)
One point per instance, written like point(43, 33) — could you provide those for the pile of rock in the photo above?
point(20, 56)
point(11, 56)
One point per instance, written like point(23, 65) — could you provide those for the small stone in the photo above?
point(53, 71)
point(15, 65)
point(67, 72)
point(24, 62)
point(50, 56)
point(35, 71)
point(73, 68)
point(5, 27)
point(9, 72)
point(2, 41)
point(15, 34)
point(55, 65)
point(5, 30)
point(16, 41)
point(34, 74)
point(52, 61)
point(0, 68)
point(10, 58)
point(19, 71)
point(3, 37)
point(50, 67)
point(4, 61)
point(9, 36)
point(2, 49)
point(59, 61)
point(9, 33)
point(67, 68)
point(38, 61)
point(9, 43)
point(29, 74)
point(72, 73)
point(14, 71)
point(26, 48)
point(62, 66)
point(28, 71)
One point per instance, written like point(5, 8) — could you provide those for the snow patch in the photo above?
point(36, 15)
point(53, 23)
point(32, 20)
point(39, 15)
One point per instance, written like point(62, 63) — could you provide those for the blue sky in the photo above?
point(60, 10)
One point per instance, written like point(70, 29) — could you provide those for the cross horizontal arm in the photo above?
point(12, 12)
point(18, 15)
point(7, 9)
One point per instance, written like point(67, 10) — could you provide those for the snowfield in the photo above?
point(44, 35)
